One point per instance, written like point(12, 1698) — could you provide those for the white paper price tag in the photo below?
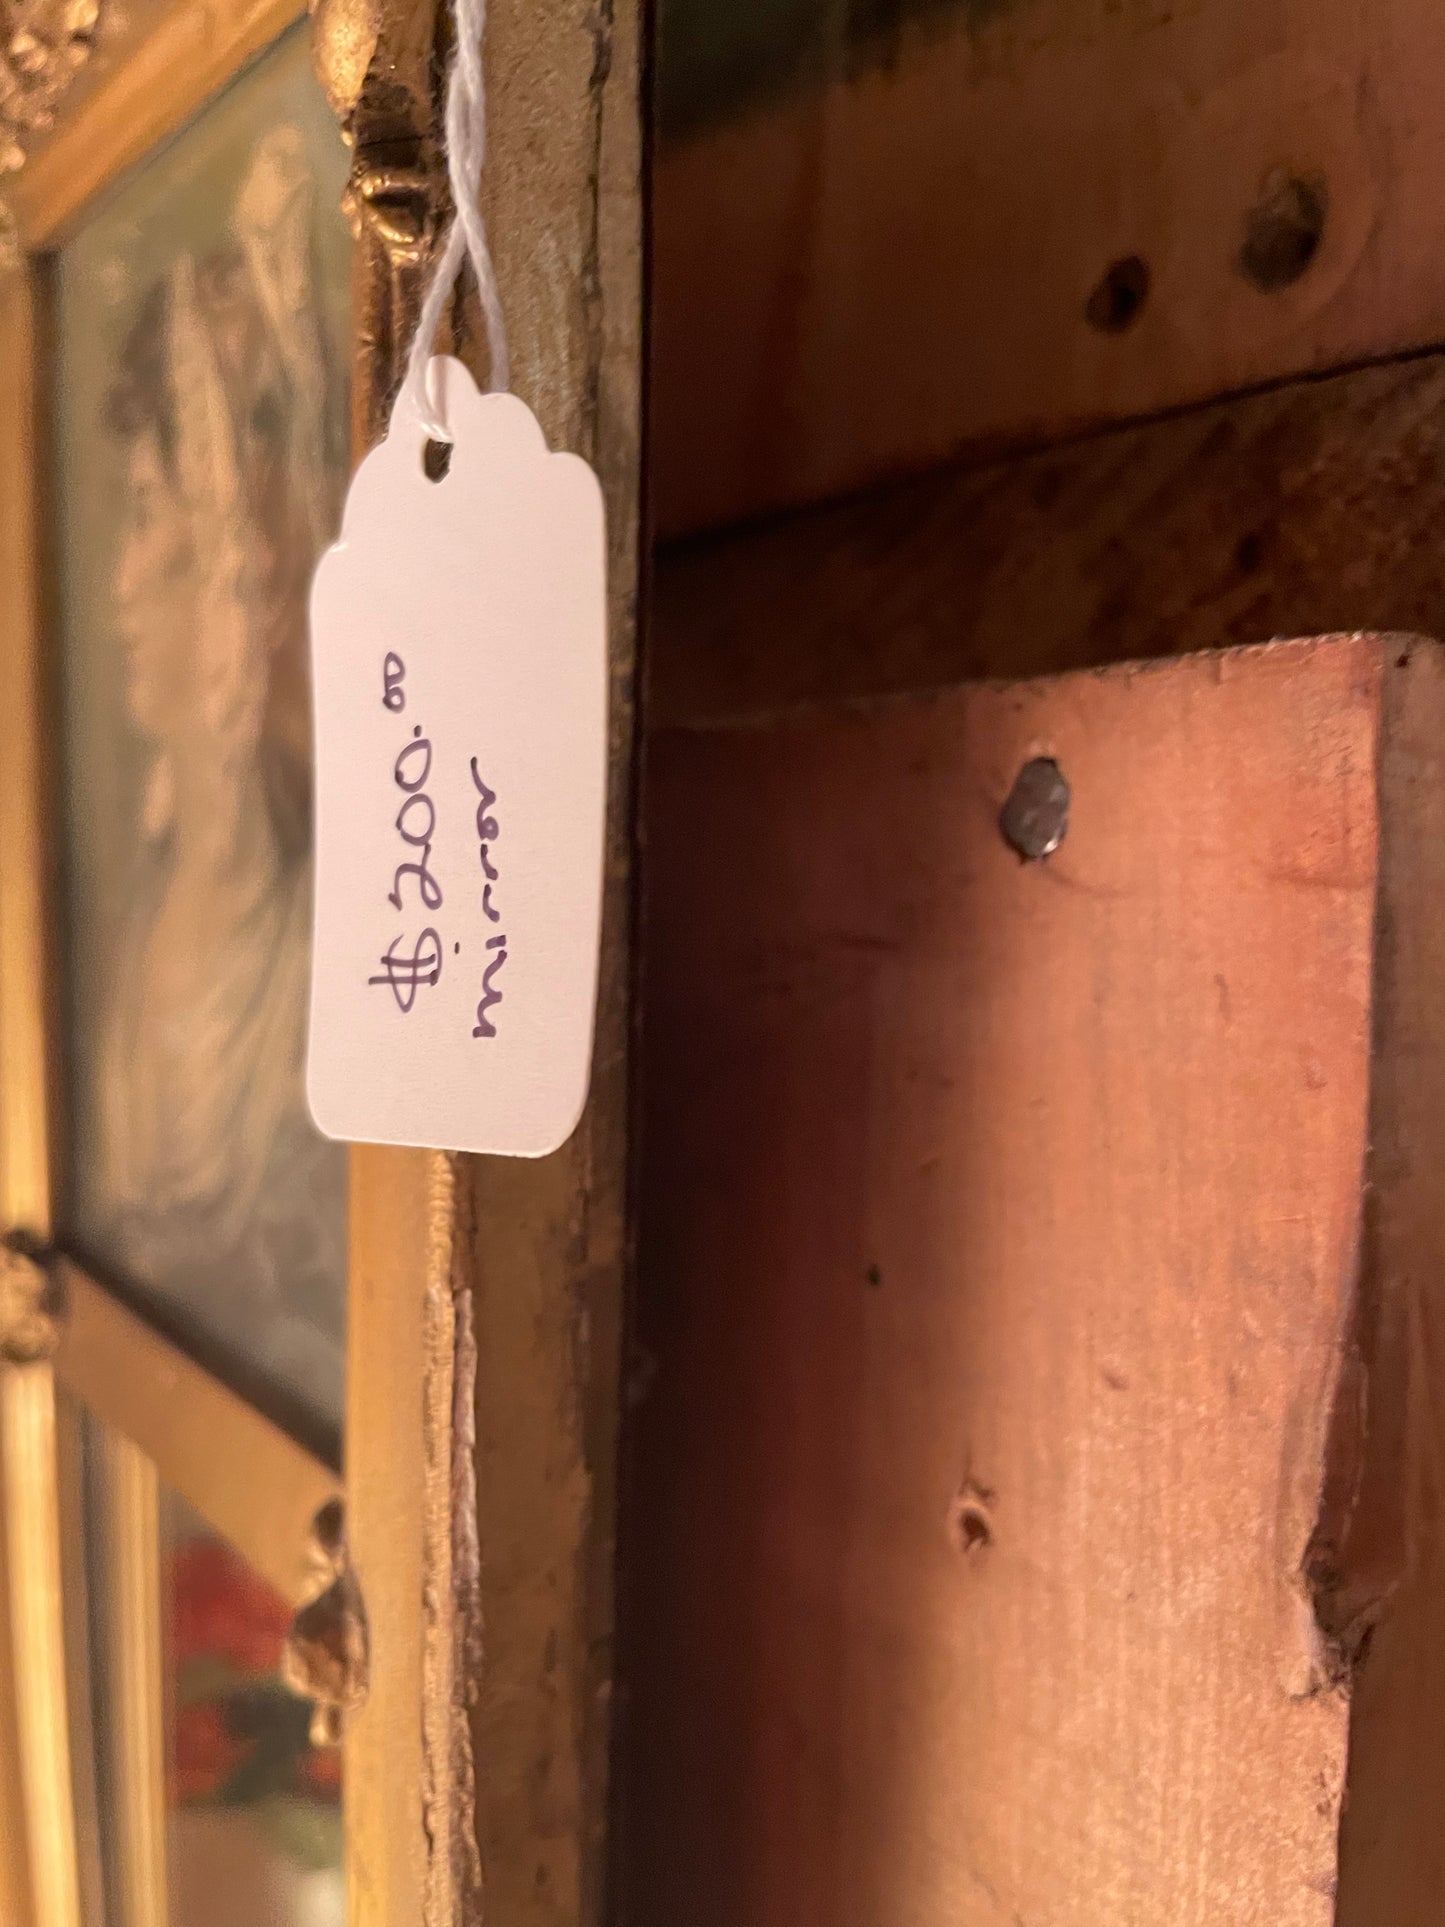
point(458, 635)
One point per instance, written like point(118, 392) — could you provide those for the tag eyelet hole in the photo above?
point(436, 460)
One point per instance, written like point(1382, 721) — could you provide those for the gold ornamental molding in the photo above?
point(29, 1305)
point(43, 45)
point(326, 1658)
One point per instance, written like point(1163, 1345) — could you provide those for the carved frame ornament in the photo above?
point(43, 46)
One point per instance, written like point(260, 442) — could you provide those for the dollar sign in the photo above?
point(403, 975)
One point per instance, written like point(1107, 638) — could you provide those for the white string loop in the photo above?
point(466, 138)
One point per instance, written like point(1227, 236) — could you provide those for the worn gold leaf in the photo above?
point(326, 1658)
point(43, 45)
point(29, 1320)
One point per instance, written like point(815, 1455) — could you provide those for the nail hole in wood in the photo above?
point(973, 1520)
point(1118, 301)
point(1283, 230)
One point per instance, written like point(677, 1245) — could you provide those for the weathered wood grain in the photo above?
point(1389, 1544)
point(487, 1293)
point(1019, 1343)
point(1312, 508)
point(544, 1245)
point(897, 258)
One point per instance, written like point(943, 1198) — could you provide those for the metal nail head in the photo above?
point(1036, 815)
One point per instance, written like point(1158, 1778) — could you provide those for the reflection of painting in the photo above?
point(255, 1808)
point(201, 461)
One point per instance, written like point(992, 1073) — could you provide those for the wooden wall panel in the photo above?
point(1315, 507)
point(890, 250)
point(1001, 1355)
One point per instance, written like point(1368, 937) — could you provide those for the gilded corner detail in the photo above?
point(326, 1658)
point(43, 45)
point(29, 1306)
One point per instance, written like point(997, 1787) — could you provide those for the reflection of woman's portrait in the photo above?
point(209, 1174)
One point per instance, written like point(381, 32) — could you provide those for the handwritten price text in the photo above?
point(405, 972)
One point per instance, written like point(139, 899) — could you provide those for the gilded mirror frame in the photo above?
point(367, 1654)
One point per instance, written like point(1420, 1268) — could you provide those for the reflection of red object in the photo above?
point(204, 1751)
point(321, 1770)
point(220, 1609)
